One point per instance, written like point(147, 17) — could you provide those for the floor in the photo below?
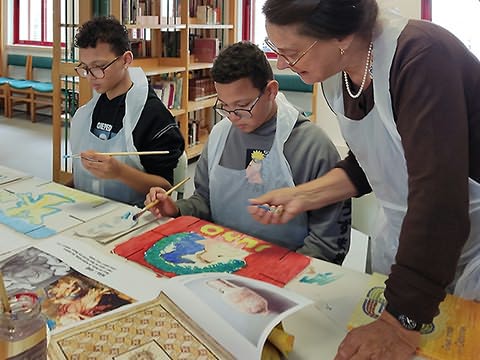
point(27, 146)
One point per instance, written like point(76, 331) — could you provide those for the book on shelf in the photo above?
point(208, 316)
point(201, 88)
point(170, 43)
point(206, 49)
point(101, 7)
point(455, 331)
point(169, 90)
point(188, 245)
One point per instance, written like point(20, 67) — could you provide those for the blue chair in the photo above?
point(298, 93)
point(20, 90)
point(42, 90)
point(18, 70)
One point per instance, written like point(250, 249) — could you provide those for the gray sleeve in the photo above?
point(198, 204)
point(311, 154)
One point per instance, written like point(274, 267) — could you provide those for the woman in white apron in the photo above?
point(352, 51)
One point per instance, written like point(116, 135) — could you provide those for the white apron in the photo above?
point(230, 188)
point(81, 139)
point(377, 146)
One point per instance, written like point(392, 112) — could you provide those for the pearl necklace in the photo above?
point(367, 65)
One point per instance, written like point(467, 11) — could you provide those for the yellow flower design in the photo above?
point(258, 155)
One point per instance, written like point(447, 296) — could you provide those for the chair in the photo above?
point(18, 68)
point(180, 173)
point(4, 95)
point(21, 89)
point(298, 93)
point(42, 90)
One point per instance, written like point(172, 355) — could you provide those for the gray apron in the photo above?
point(230, 189)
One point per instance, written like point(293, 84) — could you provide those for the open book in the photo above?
point(455, 332)
point(208, 316)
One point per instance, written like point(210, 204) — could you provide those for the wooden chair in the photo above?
point(17, 69)
point(42, 91)
point(4, 95)
point(21, 89)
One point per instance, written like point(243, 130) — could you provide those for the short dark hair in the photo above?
point(242, 60)
point(103, 29)
point(324, 19)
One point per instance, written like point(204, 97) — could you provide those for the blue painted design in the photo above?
point(321, 278)
point(29, 213)
point(126, 215)
point(176, 254)
point(187, 245)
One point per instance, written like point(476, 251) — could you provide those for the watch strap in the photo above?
point(406, 321)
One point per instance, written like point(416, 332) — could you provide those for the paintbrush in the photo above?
point(4, 296)
point(122, 153)
point(153, 203)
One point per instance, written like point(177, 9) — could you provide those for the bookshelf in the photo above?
point(163, 33)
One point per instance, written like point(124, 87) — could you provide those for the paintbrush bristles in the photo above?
point(153, 203)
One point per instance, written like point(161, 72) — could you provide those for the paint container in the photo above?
point(23, 333)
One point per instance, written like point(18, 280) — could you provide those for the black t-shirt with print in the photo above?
point(156, 130)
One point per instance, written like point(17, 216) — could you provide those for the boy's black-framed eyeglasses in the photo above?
point(98, 72)
point(241, 113)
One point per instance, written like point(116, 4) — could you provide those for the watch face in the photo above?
point(407, 323)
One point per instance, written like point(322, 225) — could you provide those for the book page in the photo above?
point(103, 267)
point(8, 175)
point(237, 311)
point(453, 335)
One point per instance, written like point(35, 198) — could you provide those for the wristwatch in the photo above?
point(406, 321)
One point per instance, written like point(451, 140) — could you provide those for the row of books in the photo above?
point(169, 90)
point(201, 88)
point(139, 11)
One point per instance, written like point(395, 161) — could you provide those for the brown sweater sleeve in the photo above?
point(430, 78)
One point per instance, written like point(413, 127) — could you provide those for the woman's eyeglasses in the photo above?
point(287, 60)
point(98, 72)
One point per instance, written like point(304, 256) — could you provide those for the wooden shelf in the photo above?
point(194, 151)
point(177, 112)
point(199, 65)
point(161, 27)
point(210, 26)
point(202, 104)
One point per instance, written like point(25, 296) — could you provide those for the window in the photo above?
point(254, 24)
point(460, 18)
point(33, 22)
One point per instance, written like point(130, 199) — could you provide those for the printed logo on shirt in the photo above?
point(253, 171)
point(104, 131)
point(104, 127)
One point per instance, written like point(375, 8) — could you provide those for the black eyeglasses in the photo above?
point(241, 113)
point(287, 60)
point(98, 72)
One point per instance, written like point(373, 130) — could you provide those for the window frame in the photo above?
point(44, 25)
point(248, 24)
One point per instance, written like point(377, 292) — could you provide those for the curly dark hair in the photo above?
point(324, 19)
point(242, 60)
point(103, 29)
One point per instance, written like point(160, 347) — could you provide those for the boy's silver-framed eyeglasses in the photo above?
point(241, 113)
point(289, 62)
point(98, 72)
